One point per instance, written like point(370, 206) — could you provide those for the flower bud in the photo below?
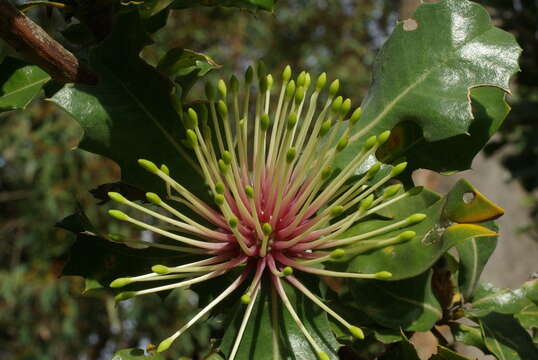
point(333, 88)
point(286, 74)
point(221, 86)
point(321, 81)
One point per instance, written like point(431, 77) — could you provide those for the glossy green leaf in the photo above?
point(136, 354)
point(129, 114)
point(444, 353)
point(244, 4)
point(434, 236)
point(20, 83)
point(407, 304)
point(257, 339)
point(489, 299)
point(506, 339)
point(425, 71)
point(473, 253)
point(465, 204)
point(489, 110)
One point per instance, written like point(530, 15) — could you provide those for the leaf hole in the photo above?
point(468, 197)
point(410, 25)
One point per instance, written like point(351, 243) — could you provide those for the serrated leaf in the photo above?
point(506, 339)
point(20, 83)
point(489, 111)
point(407, 304)
point(488, 298)
point(244, 4)
point(135, 354)
point(129, 114)
point(426, 69)
point(257, 339)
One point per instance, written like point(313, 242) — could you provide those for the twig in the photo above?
point(27, 37)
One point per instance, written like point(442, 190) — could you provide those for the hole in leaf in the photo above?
point(468, 197)
point(410, 25)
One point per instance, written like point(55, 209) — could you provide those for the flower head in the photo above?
point(277, 205)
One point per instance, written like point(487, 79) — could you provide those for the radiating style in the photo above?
point(279, 207)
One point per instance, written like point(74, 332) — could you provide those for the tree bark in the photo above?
point(29, 39)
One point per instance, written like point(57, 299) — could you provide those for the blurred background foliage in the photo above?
point(42, 179)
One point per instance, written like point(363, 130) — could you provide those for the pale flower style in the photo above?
point(278, 208)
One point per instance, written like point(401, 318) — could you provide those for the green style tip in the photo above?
point(219, 188)
point(219, 199)
point(192, 138)
point(342, 143)
point(154, 198)
point(292, 120)
point(325, 127)
point(326, 172)
point(165, 169)
point(233, 222)
point(334, 87)
point(148, 165)
point(398, 169)
point(286, 74)
point(322, 355)
point(346, 106)
point(383, 137)
point(193, 116)
point(416, 218)
point(391, 190)
point(321, 81)
point(165, 345)
point(227, 157)
point(366, 203)
point(234, 84)
point(249, 75)
point(267, 229)
point(249, 191)
point(407, 235)
point(301, 78)
point(222, 108)
point(383, 275)
point(356, 332)
point(265, 121)
point(117, 197)
point(246, 299)
point(287, 271)
point(221, 86)
point(337, 210)
point(337, 254)
point(125, 295)
point(372, 140)
point(210, 92)
point(337, 104)
point(355, 116)
point(160, 269)
point(299, 94)
point(118, 214)
point(290, 155)
point(373, 170)
point(223, 167)
point(120, 282)
point(290, 89)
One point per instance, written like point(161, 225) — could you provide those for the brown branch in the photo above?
point(28, 38)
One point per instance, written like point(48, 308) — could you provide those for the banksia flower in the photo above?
point(278, 208)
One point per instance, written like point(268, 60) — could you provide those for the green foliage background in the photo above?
point(42, 317)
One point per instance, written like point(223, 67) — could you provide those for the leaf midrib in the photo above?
point(5, 95)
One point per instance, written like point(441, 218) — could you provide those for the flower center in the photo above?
point(278, 204)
